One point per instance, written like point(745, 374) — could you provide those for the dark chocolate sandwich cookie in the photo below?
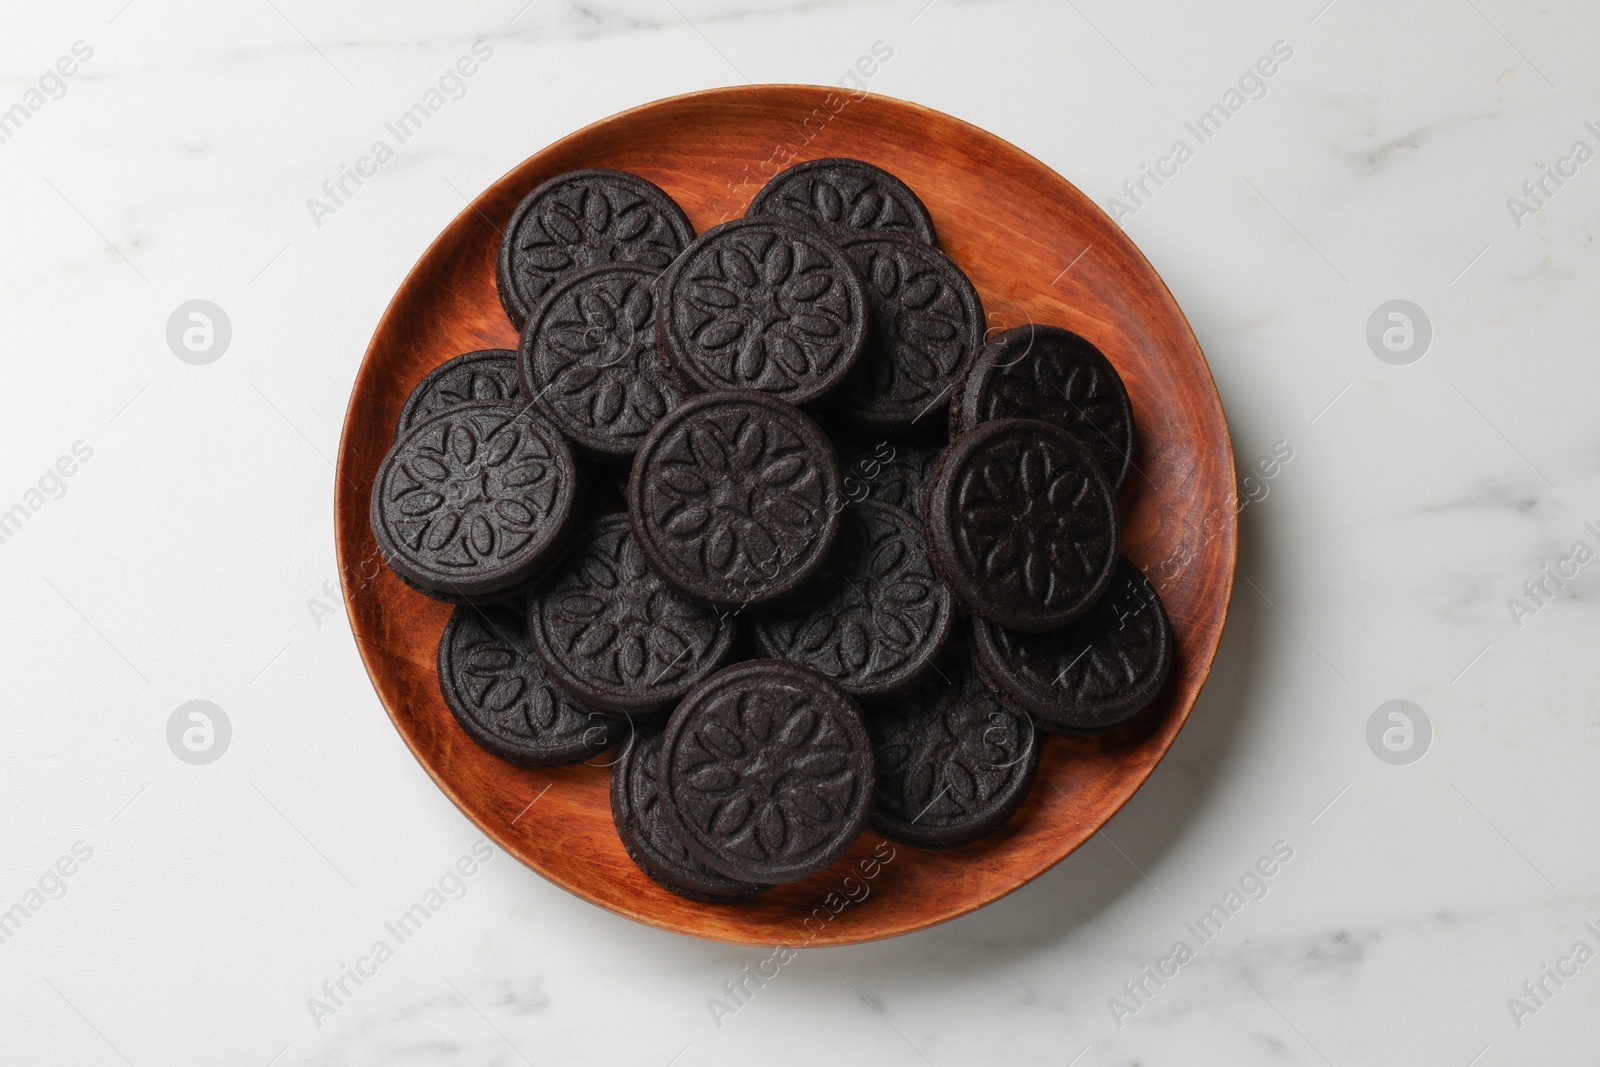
point(1097, 672)
point(503, 699)
point(589, 359)
point(954, 763)
point(763, 304)
point(1022, 524)
point(893, 470)
point(884, 615)
point(1045, 372)
point(927, 324)
point(488, 376)
point(767, 772)
point(613, 635)
point(475, 503)
point(582, 219)
point(636, 810)
point(845, 198)
point(734, 498)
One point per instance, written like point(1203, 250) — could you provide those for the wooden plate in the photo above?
point(1038, 250)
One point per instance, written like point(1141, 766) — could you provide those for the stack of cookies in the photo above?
point(772, 510)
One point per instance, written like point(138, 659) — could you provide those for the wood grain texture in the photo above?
point(1015, 227)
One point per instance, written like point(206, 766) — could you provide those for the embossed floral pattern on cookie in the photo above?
point(768, 771)
point(506, 702)
point(584, 219)
point(735, 497)
point(894, 471)
point(927, 323)
point(1023, 524)
point(885, 614)
point(589, 359)
point(485, 377)
point(615, 635)
point(953, 761)
point(1094, 673)
point(845, 198)
point(636, 811)
point(1045, 372)
point(475, 501)
point(762, 304)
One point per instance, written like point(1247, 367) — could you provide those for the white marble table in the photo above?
point(172, 542)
